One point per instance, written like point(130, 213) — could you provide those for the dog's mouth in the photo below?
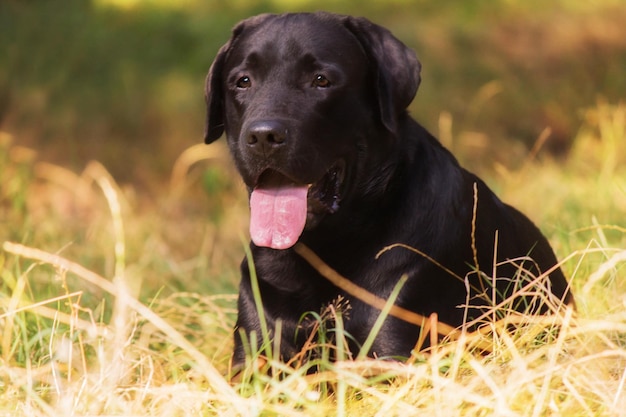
point(280, 207)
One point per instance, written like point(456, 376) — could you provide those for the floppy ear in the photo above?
point(397, 69)
point(213, 87)
point(214, 97)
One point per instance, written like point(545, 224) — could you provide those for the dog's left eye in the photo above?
point(321, 81)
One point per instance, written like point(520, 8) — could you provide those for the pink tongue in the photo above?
point(278, 215)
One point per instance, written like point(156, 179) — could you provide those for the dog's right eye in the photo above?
point(244, 82)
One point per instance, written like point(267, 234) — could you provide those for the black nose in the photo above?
point(265, 136)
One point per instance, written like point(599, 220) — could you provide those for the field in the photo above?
point(119, 274)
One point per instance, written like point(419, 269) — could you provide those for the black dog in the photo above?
point(314, 110)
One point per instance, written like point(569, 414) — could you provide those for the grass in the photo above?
point(114, 303)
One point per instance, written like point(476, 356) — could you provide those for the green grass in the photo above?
point(115, 304)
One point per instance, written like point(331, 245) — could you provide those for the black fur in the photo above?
point(399, 184)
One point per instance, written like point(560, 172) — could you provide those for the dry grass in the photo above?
point(78, 342)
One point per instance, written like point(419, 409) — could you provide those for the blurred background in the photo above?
point(121, 82)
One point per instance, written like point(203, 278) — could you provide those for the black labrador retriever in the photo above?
point(314, 110)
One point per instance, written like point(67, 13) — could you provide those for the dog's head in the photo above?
point(308, 102)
